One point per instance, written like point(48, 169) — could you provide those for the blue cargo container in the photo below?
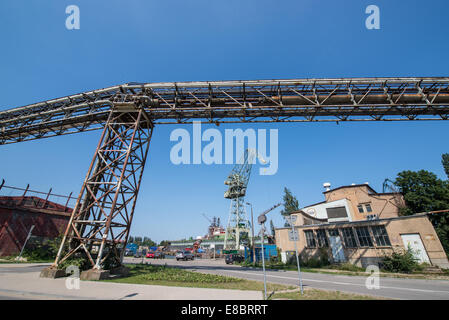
point(270, 250)
point(132, 247)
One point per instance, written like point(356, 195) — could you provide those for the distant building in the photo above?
point(358, 225)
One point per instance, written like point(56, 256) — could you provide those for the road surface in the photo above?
point(395, 288)
point(22, 281)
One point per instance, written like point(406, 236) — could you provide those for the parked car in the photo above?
point(233, 257)
point(159, 255)
point(150, 255)
point(184, 255)
point(129, 253)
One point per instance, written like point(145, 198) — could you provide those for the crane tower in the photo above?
point(238, 228)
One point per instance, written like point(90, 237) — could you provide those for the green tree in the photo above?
point(138, 240)
point(148, 242)
point(273, 229)
point(445, 162)
point(290, 203)
point(164, 243)
point(424, 192)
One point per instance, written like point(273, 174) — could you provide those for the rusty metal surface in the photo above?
point(16, 220)
point(297, 100)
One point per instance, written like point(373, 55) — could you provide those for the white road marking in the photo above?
point(342, 283)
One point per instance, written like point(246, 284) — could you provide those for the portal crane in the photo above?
point(238, 224)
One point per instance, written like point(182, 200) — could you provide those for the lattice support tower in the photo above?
point(100, 222)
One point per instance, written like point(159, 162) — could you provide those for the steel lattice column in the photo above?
point(101, 220)
point(238, 225)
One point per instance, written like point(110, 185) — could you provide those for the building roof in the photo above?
point(35, 204)
point(315, 204)
point(307, 215)
point(352, 186)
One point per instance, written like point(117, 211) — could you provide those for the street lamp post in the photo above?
point(262, 218)
point(295, 237)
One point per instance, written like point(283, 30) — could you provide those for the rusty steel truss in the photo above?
point(100, 222)
point(99, 226)
point(303, 100)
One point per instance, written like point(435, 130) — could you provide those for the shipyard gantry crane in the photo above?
point(127, 114)
point(238, 224)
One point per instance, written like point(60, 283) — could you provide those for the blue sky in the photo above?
point(154, 41)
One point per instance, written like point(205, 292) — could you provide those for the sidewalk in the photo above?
point(22, 281)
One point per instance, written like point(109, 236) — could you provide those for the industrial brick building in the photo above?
point(19, 214)
point(358, 225)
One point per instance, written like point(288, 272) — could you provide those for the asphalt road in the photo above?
point(395, 288)
point(22, 281)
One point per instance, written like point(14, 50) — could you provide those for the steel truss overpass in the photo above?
point(127, 114)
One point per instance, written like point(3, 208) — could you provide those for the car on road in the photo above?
point(233, 257)
point(184, 255)
point(129, 253)
point(159, 255)
point(150, 255)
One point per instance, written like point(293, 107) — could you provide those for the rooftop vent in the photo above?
point(327, 186)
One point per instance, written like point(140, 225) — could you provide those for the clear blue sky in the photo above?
point(177, 40)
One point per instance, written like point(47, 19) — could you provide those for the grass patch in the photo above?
point(348, 269)
point(315, 294)
point(169, 276)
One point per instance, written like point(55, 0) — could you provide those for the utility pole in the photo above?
point(262, 219)
point(252, 234)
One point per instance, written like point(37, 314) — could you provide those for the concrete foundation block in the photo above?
point(94, 274)
point(52, 273)
point(121, 271)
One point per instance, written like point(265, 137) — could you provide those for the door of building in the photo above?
point(336, 246)
point(414, 241)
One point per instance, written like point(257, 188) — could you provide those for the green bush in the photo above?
point(401, 261)
point(38, 249)
point(80, 262)
point(316, 262)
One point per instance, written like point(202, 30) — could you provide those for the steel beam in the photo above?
point(297, 100)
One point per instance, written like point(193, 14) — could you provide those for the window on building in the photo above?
point(322, 238)
point(364, 236)
point(365, 207)
point(381, 236)
point(333, 233)
point(337, 212)
point(349, 238)
point(310, 239)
